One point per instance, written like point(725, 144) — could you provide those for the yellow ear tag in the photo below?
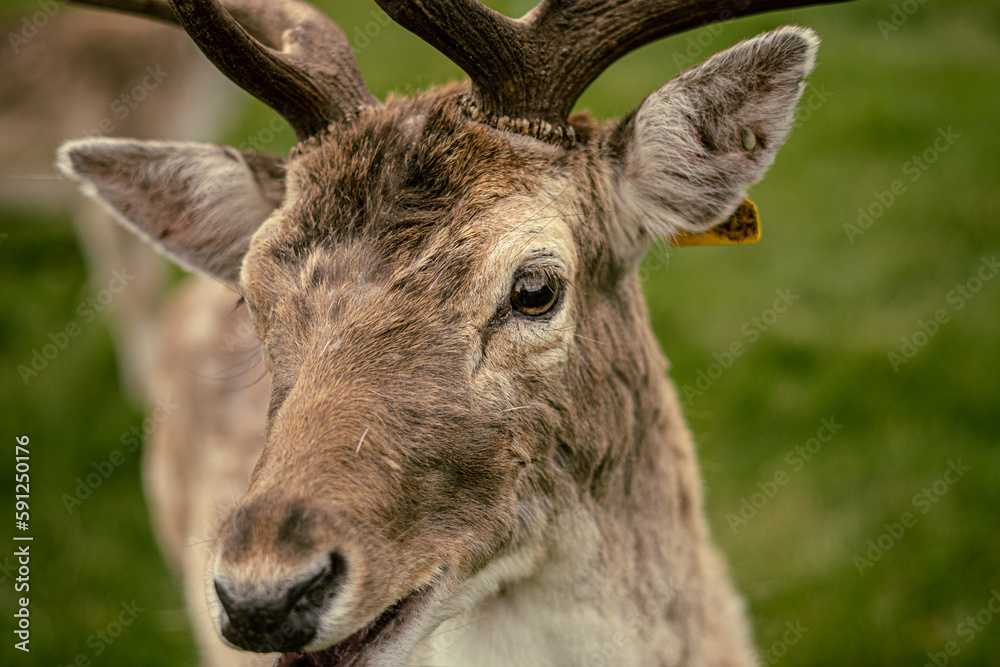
point(743, 226)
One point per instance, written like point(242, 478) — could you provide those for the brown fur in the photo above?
point(439, 469)
point(451, 479)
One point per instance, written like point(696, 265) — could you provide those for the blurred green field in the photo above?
point(875, 101)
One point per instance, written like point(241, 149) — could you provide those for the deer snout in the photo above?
point(277, 571)
point(283, 616)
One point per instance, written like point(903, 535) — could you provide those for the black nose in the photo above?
point(283, 618)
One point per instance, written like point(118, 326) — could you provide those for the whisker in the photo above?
point(194, 544)
point(259, 378)
point(592, 340)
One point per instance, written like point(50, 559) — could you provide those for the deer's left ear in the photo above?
point(685, 158)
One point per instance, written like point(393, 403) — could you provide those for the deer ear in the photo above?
point(687, 155)
point(198, 204)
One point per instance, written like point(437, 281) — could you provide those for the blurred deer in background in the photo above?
point(470, 452)
point(87, 73)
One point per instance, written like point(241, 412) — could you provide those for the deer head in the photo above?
point(465, 385)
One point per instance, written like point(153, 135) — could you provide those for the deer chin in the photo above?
point(391, 625)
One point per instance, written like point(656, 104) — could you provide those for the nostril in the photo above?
point(279, 620)
point(224, 598)
point(313, 594)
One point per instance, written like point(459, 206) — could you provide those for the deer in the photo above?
point(469, 451)
point(78, 75)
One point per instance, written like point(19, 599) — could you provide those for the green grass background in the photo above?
point(888, 97)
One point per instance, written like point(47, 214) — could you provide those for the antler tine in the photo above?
point(587, 36)
point(476, 38)
point(538, 66)
point(486, 44)
point(286, 53)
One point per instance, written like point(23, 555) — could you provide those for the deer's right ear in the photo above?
point(198, 204)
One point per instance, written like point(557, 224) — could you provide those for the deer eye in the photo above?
point(535, 294)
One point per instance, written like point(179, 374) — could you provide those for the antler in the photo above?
point(285, 53)
point(537, 67)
